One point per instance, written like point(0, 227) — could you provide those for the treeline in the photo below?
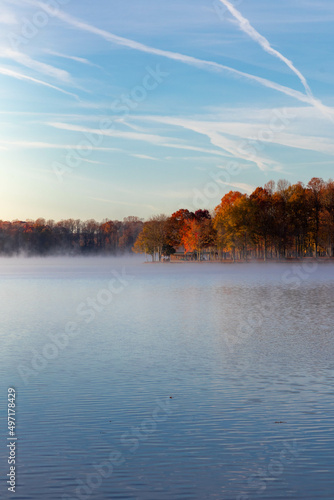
point(69, 236)
point(277, 221)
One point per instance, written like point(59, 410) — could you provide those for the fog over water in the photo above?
point(168, 381)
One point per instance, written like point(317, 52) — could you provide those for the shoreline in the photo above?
point(319, 260)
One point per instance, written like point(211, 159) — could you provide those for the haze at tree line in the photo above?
point(276, 221)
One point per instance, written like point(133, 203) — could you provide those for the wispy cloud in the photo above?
point(248, 188)
point(94, 162)
point(228, 143)
point(9, 144)
point(193, 158)
point(246, 141)
point(259, 133)
point(151, 138)
point(214, 152)
point(144, 157)
point(154, 139)
point(81, 60)
point(255, 131)
point(47, 145)
point(200, 63)
point(247, 28)
point(20, 76)
point(38, 66)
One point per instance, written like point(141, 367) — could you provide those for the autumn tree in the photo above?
point(298, 218)
point(131, 228)
point(223, 223)
point(262, 214)
point(199, 235)
point(176, 226)
point(315, 189)
point(327, 227)
point(152, 238)
point(109, 235)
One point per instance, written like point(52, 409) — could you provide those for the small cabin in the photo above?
point(181, 255)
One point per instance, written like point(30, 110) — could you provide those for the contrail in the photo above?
point(72, 58)
point(20, 76)
point(200, 63)
point(81, 60)
point(41, 67)
point(247, 28)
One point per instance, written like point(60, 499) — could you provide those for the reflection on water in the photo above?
point(195, 381)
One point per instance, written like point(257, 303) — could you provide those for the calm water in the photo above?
point(237, 347)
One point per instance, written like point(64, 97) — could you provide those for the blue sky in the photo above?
point(111, 108)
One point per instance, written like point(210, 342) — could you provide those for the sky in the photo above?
point(111, 109)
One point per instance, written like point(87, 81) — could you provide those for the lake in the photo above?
point(171, 381)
